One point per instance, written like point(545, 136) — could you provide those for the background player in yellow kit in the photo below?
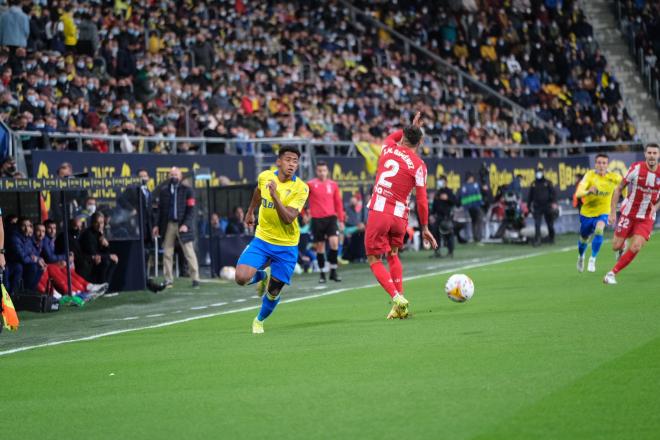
point(595, 190)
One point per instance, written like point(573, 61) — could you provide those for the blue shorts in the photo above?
point(588, 224)
point(282, 259)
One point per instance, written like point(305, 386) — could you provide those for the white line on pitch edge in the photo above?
point(244, 309)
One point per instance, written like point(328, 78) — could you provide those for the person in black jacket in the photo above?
point(81, 264)
point(542, 200)
point(174, 214)
point(444, 202)
point(96, 251)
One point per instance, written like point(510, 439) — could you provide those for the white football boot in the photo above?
point(591, 267)
point(610, 278)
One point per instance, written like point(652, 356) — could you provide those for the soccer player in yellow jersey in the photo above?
point(280, 196)
point(595, 190)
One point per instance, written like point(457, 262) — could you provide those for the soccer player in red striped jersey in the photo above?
point(637, 213)
point(327, 211)
point(400, 171)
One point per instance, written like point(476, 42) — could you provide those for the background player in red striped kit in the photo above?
point(637, 210)
point(400, 171)
point(327, 211)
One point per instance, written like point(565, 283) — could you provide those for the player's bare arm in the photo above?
point(287, 214)
point(615, 201)
point(250, 219)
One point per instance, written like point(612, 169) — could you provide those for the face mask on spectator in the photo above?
point(91, 209)
point(80, 64)
point(39, 125)
point(32, 99)
point(60, 65)
point(173, 116)
point(41, 103)
point(44, 60)
point(63, 112)
point(90, 86)
point(168, 89)
point(223, 93)
point(125, 109)
point(138, 112)
point(62, 79)
point(539, 175)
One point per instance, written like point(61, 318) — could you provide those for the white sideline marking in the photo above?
point(217, 304)
point(155, 315)
point(240, 300)
point(130, 318)
point(302, 298)
point(199, 307)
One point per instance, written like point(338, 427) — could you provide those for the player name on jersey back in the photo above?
point(643, 191)
point(399, 171)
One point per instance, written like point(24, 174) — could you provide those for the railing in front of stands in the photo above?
point(262, 147)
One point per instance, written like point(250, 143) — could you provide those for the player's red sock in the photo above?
point(384, 278)
point(396, 271)
point(625, 260)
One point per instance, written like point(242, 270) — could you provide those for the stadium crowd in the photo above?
point(274, 68)
point(640, 21)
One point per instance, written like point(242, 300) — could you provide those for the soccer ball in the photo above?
point(459, 288)
point(228, 273)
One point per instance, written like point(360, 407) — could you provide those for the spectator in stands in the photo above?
point(236, 224)
point(14, 27)
point(8, 167)
point(96, 250)
point(24, 262)
point(471, 199)
point(174, 222)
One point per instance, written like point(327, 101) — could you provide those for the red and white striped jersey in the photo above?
point(643, 191)
point(399, 171)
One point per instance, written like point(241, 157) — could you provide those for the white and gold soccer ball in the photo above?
point(228, 273)
point(459, 287)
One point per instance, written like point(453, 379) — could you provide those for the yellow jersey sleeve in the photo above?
point(584, 185)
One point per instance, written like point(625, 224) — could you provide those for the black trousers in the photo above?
point(476, 217)
point(540, 213)
point(444, 237)
point(102, 272)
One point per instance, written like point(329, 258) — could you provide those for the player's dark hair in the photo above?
point(321, 163)
point(49, 222)
point(288, 149)
point(656, 146)
point(412, 135)
point(603, 155)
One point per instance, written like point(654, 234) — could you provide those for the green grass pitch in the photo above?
point(540, 352)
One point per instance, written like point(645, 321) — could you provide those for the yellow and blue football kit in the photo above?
point(274, 240)
point(595, 207)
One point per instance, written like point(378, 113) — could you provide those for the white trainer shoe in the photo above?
point(591, 267)
point(580, 263)
point(610, 278)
